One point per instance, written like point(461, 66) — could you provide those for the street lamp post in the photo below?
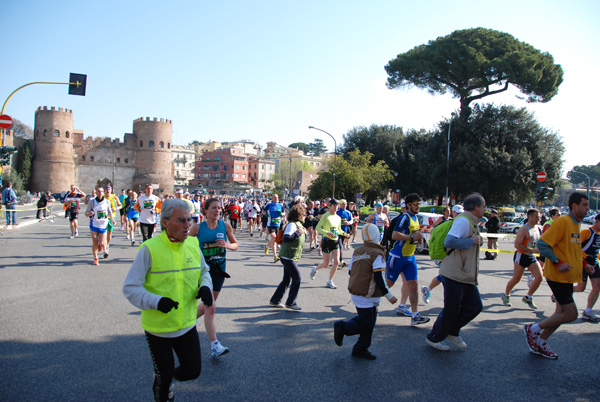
point(448, 160)
point(334, 156)
point(588, 186)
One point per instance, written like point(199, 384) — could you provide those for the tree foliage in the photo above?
point(21, 130)
point(302, 146)
point(317, 148)
point(405, 154)
point(576, 177)
point(23, 165)
point(498, 153)
point(475, 63)
point(354, 173)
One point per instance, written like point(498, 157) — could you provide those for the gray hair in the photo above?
point(473, 200)
point(169, 206)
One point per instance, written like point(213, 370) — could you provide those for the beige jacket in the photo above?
point(463, 265)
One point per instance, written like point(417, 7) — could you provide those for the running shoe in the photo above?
point(544, 350)
point(458, 341)
point(426, 294)
point(364, 354)
point(529, 302)
point(438, 263)
point(294, 307)
point(589, 317)
point(95, 262)
point(275, 258)
point(266, 250)
point(438, 345)
point(76, 232)
point(531, 337)
point(330, 284)
point(403, 311)
point(133, 242)
point(127, 236)
point(505, 300)
point(251, 234)
point(313, 272)
point(70, 237)
point(276, 305)
point(217, 349)
point(353, 240)
point(418, 320)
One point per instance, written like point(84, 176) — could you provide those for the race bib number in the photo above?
point(275, 221)
point(102, 215)
point(148, 204)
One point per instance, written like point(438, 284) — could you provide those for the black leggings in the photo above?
point(187, 348)
point(147, 230)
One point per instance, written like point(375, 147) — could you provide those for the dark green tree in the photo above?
point(475, 63)
point(317, 148)
point(405, 154)
point(301, 146)
point(497, 153)
point(576, 177)
point(24, 160)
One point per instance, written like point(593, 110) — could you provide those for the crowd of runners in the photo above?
point(560, 251)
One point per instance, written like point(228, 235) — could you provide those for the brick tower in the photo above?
point(154, 161)
point(53, 164)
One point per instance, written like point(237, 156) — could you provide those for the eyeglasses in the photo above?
point(416, 204)
point(183, 220)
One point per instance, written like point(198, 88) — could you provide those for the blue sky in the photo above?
point(266, 70)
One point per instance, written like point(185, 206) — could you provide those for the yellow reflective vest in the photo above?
point(175, 273)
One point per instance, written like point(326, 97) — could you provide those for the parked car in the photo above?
point(589, 219)
point(511, 226)
point(426, 221)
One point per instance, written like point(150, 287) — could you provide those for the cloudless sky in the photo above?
point(266, 70)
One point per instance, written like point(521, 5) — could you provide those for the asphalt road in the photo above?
point(67, 333)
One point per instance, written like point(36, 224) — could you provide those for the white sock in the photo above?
point(587, 310)
point(535, 328)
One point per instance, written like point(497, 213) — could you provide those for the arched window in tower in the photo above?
point(151, 144)
point(168, 145)
point(161, 144)
point(56, 133)
point(118, 160)
point(141, 144)
point(67, 134)
point(45, 133)
point(91, 158)
point(36, 134)
point(83, 158)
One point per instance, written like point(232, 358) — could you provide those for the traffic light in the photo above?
point(539, 194)
point(77, 84)
point(549, 193)
point(6, 154)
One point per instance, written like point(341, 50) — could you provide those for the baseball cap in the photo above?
point(378, 205)
point(333, 201)
point(458, 208)
point(403, 204)
point(494, 211)
point(179, 191)
point(317, 202)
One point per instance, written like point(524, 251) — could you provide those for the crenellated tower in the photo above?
point(53, 163)
point(154, 161)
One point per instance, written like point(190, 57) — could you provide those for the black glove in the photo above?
point(165, 305)
point(205, 294)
